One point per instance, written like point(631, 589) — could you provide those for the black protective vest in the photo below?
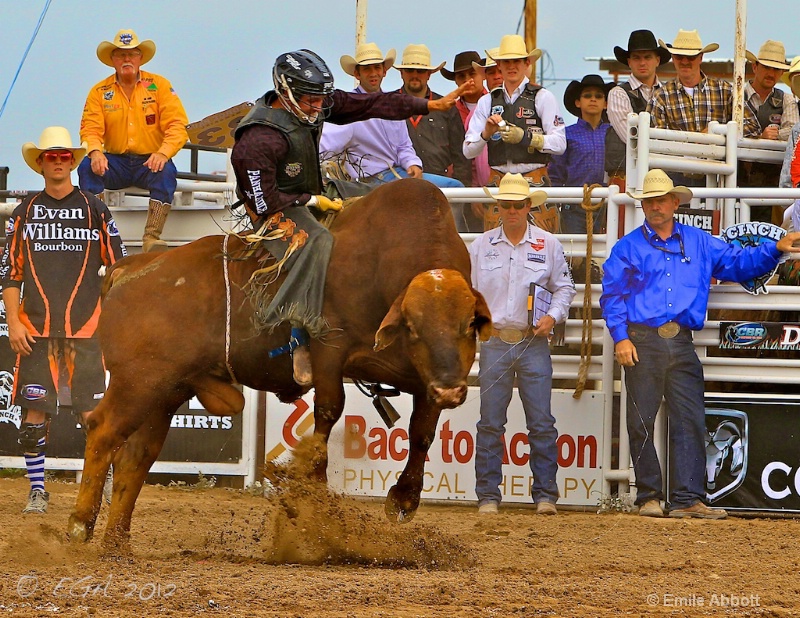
point(299, 172)
point(771, 110)
point(615, 147)
point(522, 113)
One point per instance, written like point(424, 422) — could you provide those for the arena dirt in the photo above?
point(304, 553)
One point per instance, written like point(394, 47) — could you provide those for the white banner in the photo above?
point(365, 458)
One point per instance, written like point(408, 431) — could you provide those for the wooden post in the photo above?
point(361, 25)
point(739, 63)
point(530, 31)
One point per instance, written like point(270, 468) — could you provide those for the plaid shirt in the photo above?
point(673, 108)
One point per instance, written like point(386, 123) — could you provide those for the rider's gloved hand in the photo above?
point(324, 203)
point(537, 142)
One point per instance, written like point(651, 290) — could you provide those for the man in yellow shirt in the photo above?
point(133, 124)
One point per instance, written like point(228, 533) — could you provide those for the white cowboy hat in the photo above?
point(514, 188)
point(512, 47)
point(656, 183)
point(52, 138)
point(367, 53)
point(772, 54)
point(417, 57)
point(688, 43)
point(794, 69)
point(125, 39)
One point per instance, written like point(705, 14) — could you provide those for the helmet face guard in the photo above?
point(299, 73)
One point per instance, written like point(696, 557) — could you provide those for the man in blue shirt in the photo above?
point(655, 293)
point(583, 162)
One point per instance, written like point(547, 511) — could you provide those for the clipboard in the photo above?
point(539, 300)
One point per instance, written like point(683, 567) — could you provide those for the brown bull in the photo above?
point(398, 300)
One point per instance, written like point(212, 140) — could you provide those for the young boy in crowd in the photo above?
point(583, 162)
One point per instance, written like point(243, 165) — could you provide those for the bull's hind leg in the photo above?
point(402, 500)
point(131, 466)
point(111, 422)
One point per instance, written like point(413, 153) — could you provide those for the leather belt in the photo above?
point(668, 330)
point(512, 335)
point(538, 176)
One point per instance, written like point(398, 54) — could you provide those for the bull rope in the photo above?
point(586, 331)
point(226, 276)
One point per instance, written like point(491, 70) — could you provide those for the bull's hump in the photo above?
point(439, 281)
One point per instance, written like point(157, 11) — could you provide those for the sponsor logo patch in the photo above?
point(536, 257)
point(745, 334)
point(34, 392)
point(112, 228)
point(537, 244)
point(293, 169)
point(125, 38)
point(108, 95)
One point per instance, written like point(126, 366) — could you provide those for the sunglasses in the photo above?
point(592, 95)
point(515, 205)
point(61, 155)
point(417, 70)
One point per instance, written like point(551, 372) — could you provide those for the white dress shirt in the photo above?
point(555, 140)
point(503, 272)
point(619, 104)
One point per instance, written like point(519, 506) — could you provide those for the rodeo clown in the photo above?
point(58, 242)
point(276, 162)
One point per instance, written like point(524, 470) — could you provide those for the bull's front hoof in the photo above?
point(398, 510)
point(78, 531)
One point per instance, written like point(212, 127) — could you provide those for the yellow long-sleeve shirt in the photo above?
point(152, 120)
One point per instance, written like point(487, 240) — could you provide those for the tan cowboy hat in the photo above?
point(772, 54)
point(125, 39)
point(488, 61)
point(417, 57)
point(52, 138)
point(796, 84)
point(657, 183)
point(367, 53)
point(688, 43)
point(514, 188)
point(794, 69)
point(512, 47)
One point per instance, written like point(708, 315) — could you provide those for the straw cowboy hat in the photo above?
point(512, 47)
point(417, 57)
point(52, 138)
point(688, 43)
point(367, 53)
point(575, 88)
point(514, 188)
point(125, 39)
point(657, 183)
point(772, 54)
point(641, 40)
point(794, 69)
point(462, 62)
point(487, 62)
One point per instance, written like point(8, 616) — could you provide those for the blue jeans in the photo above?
point(668, 369)
point(443, 182)
point(530, 362)
point(128, 170)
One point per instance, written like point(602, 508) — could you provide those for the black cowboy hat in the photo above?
point(573, 91)
point(462, 62)
point(642, 40)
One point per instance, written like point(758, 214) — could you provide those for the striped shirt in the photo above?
point(712, 99)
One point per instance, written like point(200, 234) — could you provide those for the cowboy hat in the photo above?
point(486, 62)
point(52, 138)
point(575, 88)
point(656, 183)
point(688, 43)
point(125, 39)
point(514, 188)
point(796, 84)
point(367, 53)
point(641, 40)
point(772, 54)
point(512, 47)
point(417, 57)
point(463, 62)
point(794, 69)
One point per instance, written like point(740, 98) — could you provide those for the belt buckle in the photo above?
point(510, 335)
point(669, 330)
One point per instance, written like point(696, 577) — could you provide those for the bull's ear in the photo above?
point(391, 325)
point(483, 317)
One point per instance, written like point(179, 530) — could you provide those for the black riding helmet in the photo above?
point(303, 72)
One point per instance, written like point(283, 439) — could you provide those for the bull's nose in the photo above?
point(449, 397)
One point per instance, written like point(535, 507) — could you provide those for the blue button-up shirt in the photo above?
point(651, 281)
point(583, 162)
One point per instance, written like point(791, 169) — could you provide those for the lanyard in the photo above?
point(684, 258)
